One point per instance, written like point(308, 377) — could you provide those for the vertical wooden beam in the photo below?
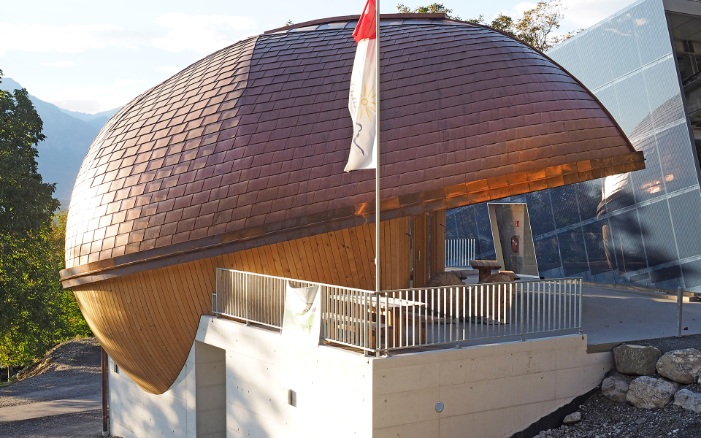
point(420, 250)
point(438, 242)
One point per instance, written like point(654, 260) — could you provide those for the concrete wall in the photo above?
point(490, 391)
point(210, 393)
point(136, 413)
point(331, 387)
point(254, 382)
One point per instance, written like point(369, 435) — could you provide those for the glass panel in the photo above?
point(692, 275)
point(686, 213)
point(547, 253)
point(677, 158)
point(656, 229)
point(540, 212)
point(596, 251)
point(574, 260)
point(564, 203)
point(627, 241)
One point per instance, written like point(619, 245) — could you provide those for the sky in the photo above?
point(96, 55)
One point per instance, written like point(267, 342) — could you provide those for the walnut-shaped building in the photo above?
point(237, 161)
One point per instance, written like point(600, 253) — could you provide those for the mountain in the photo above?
point(68, 137)
point(98, 119)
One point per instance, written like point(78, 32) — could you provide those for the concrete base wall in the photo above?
point(490, 390)
point(246, 381)
point(136, 413)
point(276, 387)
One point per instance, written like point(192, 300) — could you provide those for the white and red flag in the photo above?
point(362, 99)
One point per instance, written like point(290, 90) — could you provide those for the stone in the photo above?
point(682, 366)
point(639, 360)
point(689, 400)
point(444, 279)
point(501, 277)
point(650, 392)
point(574, 417)
point(615, 387)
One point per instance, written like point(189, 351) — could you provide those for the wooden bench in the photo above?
point(485, 268)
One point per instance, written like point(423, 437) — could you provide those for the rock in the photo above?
point(574, 417)
point(501, 277)
point(637, 360)
point(444, 279)
point(650, 392)
point(689, 400)
point(682, 366)
point(615, 387)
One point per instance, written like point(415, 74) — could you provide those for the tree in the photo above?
point(433, 8)
point(35, 311)
point(535, 27)
point(26, 202)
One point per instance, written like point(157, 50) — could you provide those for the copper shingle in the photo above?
point(249, 143)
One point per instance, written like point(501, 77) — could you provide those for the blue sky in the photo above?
point(94, 55)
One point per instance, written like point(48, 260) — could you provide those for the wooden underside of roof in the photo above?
point(147, 321)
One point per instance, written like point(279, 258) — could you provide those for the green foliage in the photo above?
point(35, 311)
point(25, 201)
point(433, 8)
point(535, 27)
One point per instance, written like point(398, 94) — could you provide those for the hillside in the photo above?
point(68, 137)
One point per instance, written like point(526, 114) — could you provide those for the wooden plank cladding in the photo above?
point(147, 321)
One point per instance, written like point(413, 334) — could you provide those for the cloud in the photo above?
point(201, 33)
point(170, 69)
point(62, 39)
point(92, 98)
point(59, 64)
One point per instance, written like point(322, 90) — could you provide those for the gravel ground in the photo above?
point(604, 418)
point(71, 370)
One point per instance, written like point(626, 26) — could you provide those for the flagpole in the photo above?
point(378, 285)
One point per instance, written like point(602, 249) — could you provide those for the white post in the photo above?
point(378, 272)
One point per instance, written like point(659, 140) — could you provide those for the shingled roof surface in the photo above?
point(248, 145)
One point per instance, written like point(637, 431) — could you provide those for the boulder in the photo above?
point(501, 277)
point(682, 366)
point(615, 387)
point(574, 417)
point(689, 400)
point(650, 392)
point(639, 360)
point(444, 279)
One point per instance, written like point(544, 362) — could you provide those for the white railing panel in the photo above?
point(410, 318)
point(459, 252)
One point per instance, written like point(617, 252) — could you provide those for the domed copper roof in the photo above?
point(247, 146)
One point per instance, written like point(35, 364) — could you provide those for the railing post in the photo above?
point(680, 300)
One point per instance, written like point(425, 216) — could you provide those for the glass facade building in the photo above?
point(643, 64)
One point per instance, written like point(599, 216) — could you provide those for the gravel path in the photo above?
point(69, 371)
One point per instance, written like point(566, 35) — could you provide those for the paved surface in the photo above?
point(50, 407)
point(613, 315)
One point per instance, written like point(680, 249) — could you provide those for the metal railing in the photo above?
point(459, 252)
point(411, 318)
